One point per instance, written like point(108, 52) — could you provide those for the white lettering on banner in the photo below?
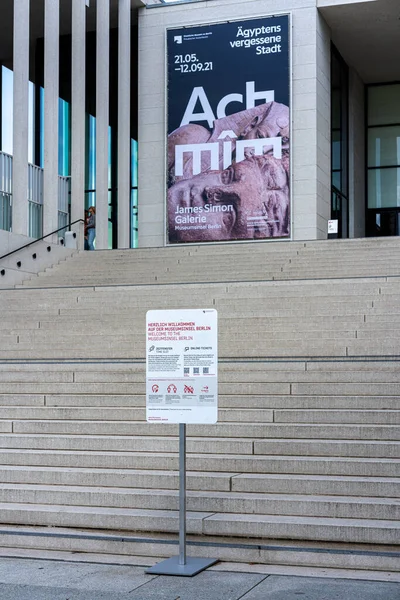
point(199, 95)
point(258, 146)
point(224, 103)
point(190, 116)
point(227, 154)
point(257, 31)
point(252, 95)
point(196, 150)
point(227, 147)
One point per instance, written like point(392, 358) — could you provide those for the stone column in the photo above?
point(78, 114)
point(51, 95)
point(124, 133)
point(20, 118)
point(102, 121)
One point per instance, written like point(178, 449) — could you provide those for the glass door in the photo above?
point(339, 141)
point(383, 170)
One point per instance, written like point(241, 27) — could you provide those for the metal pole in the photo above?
point(181, 565)
point(182, 493)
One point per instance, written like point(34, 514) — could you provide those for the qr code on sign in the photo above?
point(206, 370)
point(186, 370)
point(196, 370)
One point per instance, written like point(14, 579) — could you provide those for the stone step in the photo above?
point(386, 366)
point(131, 444)
point(121, 414)
point(234, 388)
point(259, 260)
point(360, 467)
point(225, 415)
point(128, 478)
point(172, 272)
point(238, 375)
point(122, 519)
point(380, 347)
point(280, 349)
point(317, 485)
point(147, 443)
point(26, 339)
point(290, 253)
point(305, 528)
point(63, 329)
point(206, 501)
point(267, 289)
point(231, 415)
point(243, 274)
point(110, 323)
point(258, 310)
point(263, 526)
point(106, 306)
point(240, 288)
point(387, 417)
point(315, 447)
point(25, 540)
point(224, 401)
point(230, 430)
point(341, 389)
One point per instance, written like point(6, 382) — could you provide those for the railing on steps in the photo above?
point(19, 263)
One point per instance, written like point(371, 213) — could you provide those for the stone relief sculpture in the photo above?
point(222, 188)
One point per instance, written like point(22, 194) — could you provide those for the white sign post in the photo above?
point(333, 226)
point(182, 387)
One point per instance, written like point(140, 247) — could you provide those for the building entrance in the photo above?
point(383, 159)
point(339, 137)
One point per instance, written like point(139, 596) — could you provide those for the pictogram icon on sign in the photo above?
point(205, 389)
point(155, 388)
point(188, 389)
point(172, 388)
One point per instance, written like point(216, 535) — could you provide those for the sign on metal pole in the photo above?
point(182, 387)
point(181, 367)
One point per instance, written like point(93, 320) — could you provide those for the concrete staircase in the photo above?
point(303, 467)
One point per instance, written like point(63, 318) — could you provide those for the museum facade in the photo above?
point(200, 121)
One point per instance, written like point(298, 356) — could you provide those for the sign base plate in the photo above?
point(171, 566)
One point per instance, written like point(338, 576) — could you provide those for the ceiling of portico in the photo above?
point(367, 34)
point(37, 21)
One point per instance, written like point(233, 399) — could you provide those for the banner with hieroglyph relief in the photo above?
point(229, 131)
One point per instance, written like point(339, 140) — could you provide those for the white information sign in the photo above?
point(333, 226)
point(182, 366)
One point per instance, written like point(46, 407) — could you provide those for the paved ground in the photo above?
point(24, 579)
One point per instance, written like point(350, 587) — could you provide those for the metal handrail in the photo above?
point(68, 226)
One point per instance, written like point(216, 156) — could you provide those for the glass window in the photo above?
point(384, 146)
point(134, 194)
point(383, 188)
point(336, 152)
point(90, 161)
point(384, 105)
point(64, 150)
point(41, 125)
point(31, 123)
point(7, 111)
point(339, 142)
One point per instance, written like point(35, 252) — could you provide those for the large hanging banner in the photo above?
point(229, 131)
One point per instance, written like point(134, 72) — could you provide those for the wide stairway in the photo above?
point(303, 466)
